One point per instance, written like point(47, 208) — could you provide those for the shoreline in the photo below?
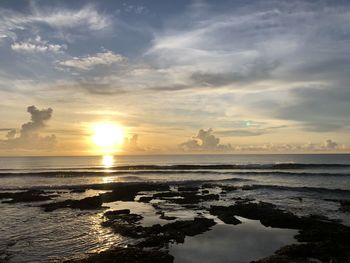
point(321, 238)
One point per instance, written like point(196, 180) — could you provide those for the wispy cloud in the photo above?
point(37, 45)
point(88, 62)
point(57, 18)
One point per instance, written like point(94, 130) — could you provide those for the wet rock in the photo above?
point(129, 192)
point(78, 190)
point(157, 235)
point(145, 199)
point(242, 200)
point(229, 188)
point(127, 255)
point(163, 216)
point(192, 198)
point(177, 231)
point(323, 239)
point(190, 227)
point(24, 197)
point(345, 206)
point(268, 214)
point(188, 189)
point(117, 212)
point(87, 203)
point(225, 214)
point(165, 194)
point(248, 187)
point(120, 193)
point(309, 252)
point(121, 217)
point(207, 185)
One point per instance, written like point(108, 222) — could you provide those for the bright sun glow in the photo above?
point(107, 161)
point(108, 136)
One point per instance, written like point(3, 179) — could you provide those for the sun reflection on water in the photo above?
point(107, 161)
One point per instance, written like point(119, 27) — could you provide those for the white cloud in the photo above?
point(37, 45)
point(88, 62)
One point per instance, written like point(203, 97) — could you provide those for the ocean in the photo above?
point(302, 183)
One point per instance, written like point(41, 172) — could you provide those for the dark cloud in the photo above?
point(204, 141)
point(319, 109)
point(256, 71)
point(29, 138)
point(170, 87)
point(249, 128)
point(330, 145)
point(241, 133)
point(38, 119)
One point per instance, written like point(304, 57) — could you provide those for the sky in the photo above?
point(178, 76)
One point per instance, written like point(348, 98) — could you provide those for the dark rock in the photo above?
point(192, 198)
point(188, 189)
point(177, 231)
point(125, 192)
point(87, 203)
point(205, 191)
point(24, 197)
point(267, 213)
point(242, 200)
point(117, 212)
point(345, 206)
point(322, 238)
point(127, 255)
point(229, 188)
point(78, 190)
point(190, 227)
point(116, 218)
point(145, 199)
point(225, 214)
point(163, 216)
point(248, 187)
point(165, 194)
point(157, 235)
point(207, 185)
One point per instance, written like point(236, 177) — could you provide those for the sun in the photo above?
point(108, 136)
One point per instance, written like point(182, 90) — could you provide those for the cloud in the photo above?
point(58, 18)
point(106, 58)
point(321, 109)
point(241, 132)
point(131, 144)
point(29, 137)
point(137, 9)
point(68, 18)
point(37, 45)
point(204, 141)
point(330, 145)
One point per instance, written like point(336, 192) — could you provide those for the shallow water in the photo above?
point(235, 244)
point(28, 234)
